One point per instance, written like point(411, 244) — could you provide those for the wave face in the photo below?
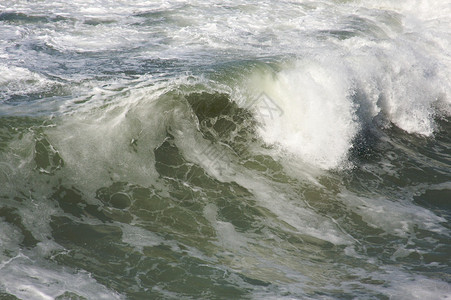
point(225, 150)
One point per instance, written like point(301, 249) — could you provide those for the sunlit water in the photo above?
point(225, 149)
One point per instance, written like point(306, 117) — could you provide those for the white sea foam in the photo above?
point(317, 118)
point(326, 99)
point(21, 81)
point(394, 216)
point(44, 282)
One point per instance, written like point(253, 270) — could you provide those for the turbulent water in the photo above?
point(225, 149)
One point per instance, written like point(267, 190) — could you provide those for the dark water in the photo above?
point(209, 150)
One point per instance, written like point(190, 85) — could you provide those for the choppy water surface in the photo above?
point(225, 150)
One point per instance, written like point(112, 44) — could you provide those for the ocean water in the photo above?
point(225, 149)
